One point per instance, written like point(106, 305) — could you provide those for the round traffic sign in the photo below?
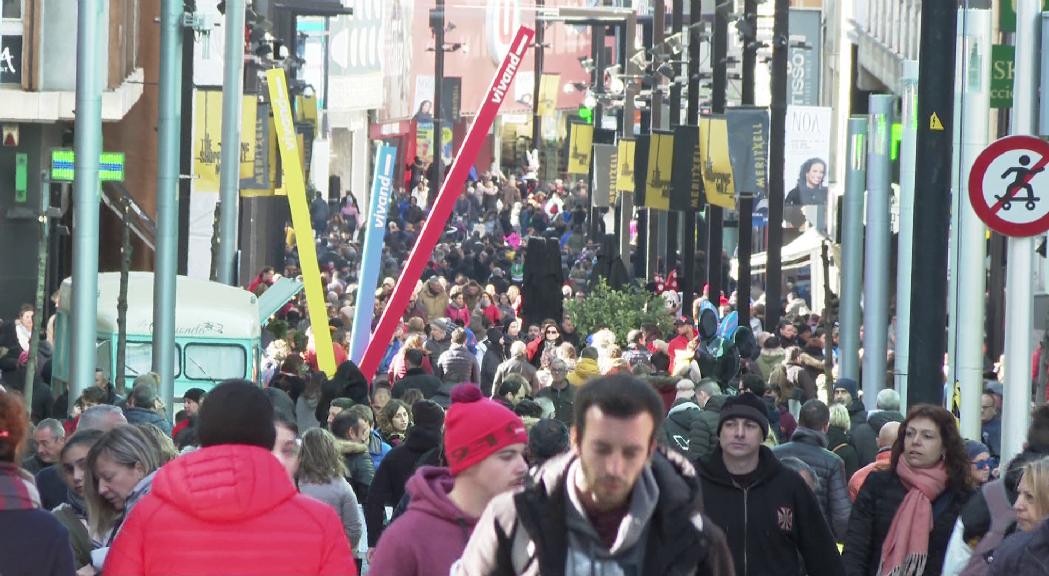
point(1009, 186)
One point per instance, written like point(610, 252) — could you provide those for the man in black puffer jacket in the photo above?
point(387, 488)
point(703, 437)
point(809, 444)
point(681, 418)
point(769, 515)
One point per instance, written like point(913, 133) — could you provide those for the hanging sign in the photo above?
point(1009, 186)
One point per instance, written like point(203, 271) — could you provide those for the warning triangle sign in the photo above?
point(934, 123)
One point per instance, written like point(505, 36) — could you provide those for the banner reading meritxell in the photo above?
point(371, 261)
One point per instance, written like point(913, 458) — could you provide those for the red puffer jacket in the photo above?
point(229, 510)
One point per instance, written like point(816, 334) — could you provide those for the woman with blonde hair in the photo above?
point(839, 441)
point(120, 470)
point(321, 476)
point(1026, 552)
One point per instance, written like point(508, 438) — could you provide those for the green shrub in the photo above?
point(620, 311)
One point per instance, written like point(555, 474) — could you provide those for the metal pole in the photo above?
point(906, 238)
point(687, 282)
point(39, 308)
point(1016, 404)
point(169, 122)
point(437, 22)
point(719, 60)
point(627, 200)
point(972, 84)
point(657, 228)
point(677, 17)
point(777, 159)
point(931, 200)
point(88, 146)
point(537, 121)
point(852, 248)
point(746, 205)
point(229, 184)
point(876, 264)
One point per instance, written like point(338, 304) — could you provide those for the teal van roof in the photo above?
point(204, 309)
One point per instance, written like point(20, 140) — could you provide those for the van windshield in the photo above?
point(215, 362)
point(138, 359)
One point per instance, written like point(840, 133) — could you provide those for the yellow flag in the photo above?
point(549, 85)
point(581, 141)
point(207, 140)
point(625, 166)
point(295, 185)
point(660, 164)
point(717, 167)
point(249, 110)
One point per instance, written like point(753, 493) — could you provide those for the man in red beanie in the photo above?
point(484, 446)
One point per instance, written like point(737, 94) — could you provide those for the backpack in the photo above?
point(1002, 518)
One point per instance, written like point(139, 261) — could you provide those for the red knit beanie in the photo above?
point(477, 427)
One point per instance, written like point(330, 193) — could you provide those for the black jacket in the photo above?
point(348, 382)
point(770, 523)
point(840, 443)
point(810, 446)
point(865, 435)
point(387, 487)
point(428, 384)
point(872, 515)
point(675, 545)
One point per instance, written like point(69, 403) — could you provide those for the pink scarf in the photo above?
point(906, 547)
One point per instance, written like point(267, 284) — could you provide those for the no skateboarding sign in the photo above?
point(1009, 186)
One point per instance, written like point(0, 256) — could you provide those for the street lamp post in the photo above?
point(437, 19)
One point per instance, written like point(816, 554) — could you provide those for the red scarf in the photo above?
point(17, 489)
point(906, 547)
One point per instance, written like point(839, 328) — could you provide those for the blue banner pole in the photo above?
point(371, 261)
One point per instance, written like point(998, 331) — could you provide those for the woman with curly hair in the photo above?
point(902, 518)
point(394, 420)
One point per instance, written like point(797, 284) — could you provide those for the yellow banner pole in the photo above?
point(295, 186)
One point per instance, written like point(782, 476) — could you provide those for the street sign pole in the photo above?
point(88, 145)
point(852, 248)
point(876, 263)
point(1018, 301)
point(229, 183)
point(904, 254)
point(972, 110)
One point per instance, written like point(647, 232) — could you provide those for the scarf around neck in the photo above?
point(17, 489)
point(906, 547)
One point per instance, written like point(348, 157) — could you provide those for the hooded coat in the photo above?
point(703, 437)
point(585, 369)
point(232, 507)
point(544, 530)
point(391, 479)
point(348, 382)
point(435, 304)
point(431, 534)
point(678, 424)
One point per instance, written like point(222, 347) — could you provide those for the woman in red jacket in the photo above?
point(230, 507)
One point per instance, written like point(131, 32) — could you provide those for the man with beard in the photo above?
point(615, 504)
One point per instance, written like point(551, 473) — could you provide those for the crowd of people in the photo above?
point(497, 439)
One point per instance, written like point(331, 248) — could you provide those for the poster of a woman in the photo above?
point(810, 189)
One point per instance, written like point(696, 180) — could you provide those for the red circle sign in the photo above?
point(1009, 186)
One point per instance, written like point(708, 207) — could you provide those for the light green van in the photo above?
point(218, 329)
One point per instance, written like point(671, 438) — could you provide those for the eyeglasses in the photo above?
point(554, 332)
point(984, 464)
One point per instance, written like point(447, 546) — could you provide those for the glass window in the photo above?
point(138, 359)
point(215, 362)
point(11, 9)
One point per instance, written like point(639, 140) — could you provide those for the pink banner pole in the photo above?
point(435, 223)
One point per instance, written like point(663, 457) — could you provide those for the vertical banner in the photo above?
point(641, 169)
point(580, 143)
point(748, 149)
point(717, 167)
point(804, 58)
point(660, 170)
point(805, 166)
point(549, 87)
point(686, 181)
point(625, 151)
point(371, 260)
point(207, 139)
point(295, 186)
point(258, 182)
point(434, 225)
point(603, 175)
